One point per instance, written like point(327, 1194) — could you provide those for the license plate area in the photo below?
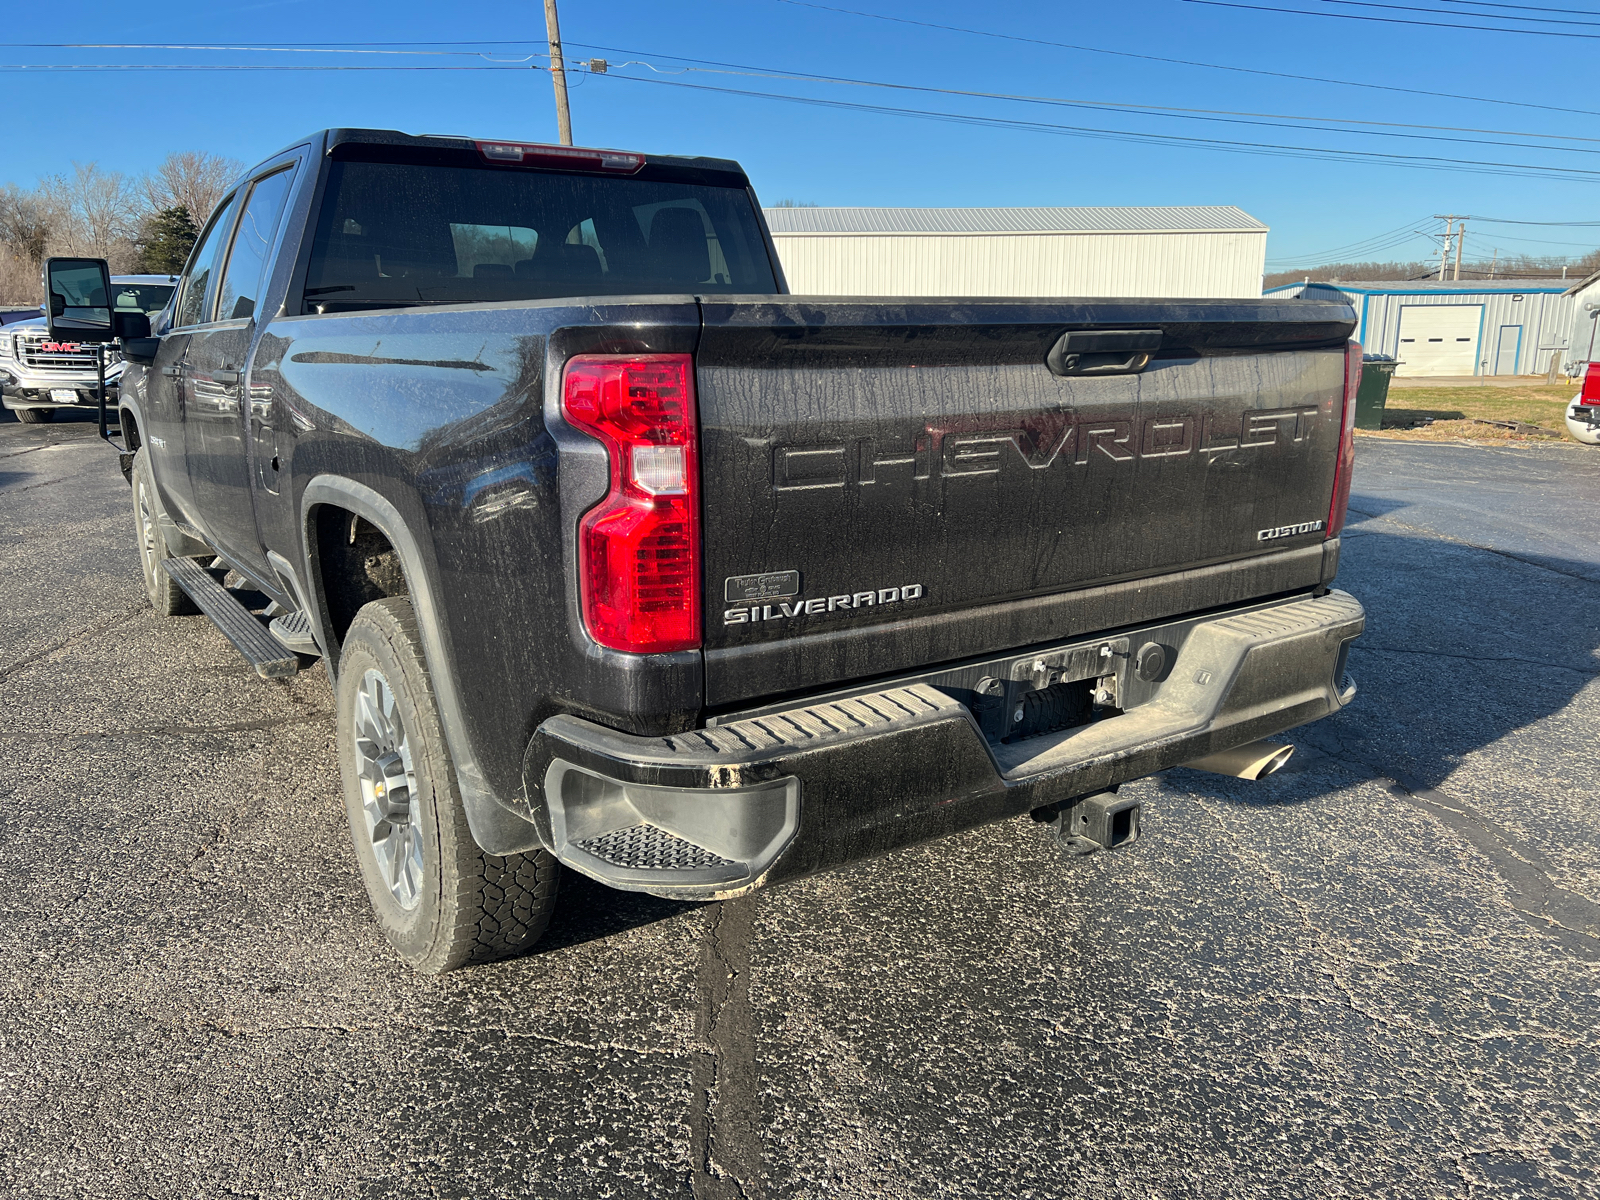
point(64, 395)
point(1070, 684)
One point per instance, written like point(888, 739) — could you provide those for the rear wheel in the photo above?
point(440, 900)
point(166, 597)
point(35, 416)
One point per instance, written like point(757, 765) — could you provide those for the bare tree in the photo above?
point(25, 224)
point(193, 181)
point(96, 213)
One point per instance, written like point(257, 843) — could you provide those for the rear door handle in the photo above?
point(224, 375)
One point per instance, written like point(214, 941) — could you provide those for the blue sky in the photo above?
point(825, 155)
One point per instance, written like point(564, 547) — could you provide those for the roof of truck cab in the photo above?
point(434, 141)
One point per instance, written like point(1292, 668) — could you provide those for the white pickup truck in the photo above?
point(39, 374)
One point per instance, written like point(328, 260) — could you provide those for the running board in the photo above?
point(270, 657)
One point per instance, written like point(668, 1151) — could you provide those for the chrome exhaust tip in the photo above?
point(1255, 761)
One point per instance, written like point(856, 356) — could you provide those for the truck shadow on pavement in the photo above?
point(1464, 648)
point(587, 911)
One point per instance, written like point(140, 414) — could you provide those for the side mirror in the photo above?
point(142, 350)
point(130, 325)
point(79, 290)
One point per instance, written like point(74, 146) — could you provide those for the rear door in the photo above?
point(881, 466)
point(216, 372)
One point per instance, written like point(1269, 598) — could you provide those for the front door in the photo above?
point(167, 403)
point(217, 371)
point(163, 408)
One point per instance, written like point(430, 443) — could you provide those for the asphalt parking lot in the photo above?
point(1377, 974)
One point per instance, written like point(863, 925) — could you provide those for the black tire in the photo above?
point(35, 416)
point(166, 597)
point(448, 904)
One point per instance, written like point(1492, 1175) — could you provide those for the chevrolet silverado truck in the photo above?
point(621, 557)
point(40, 374)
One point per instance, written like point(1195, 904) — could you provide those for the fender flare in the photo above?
point(496, 826)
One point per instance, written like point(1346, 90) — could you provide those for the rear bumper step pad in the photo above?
point(270, 657)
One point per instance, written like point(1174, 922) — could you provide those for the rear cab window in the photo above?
point(245, 273)
point(405, 227)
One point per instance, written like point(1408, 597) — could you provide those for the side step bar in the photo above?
point(270, 657)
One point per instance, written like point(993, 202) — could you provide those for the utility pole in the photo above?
point(1444, 245)
point(1461, 240)
point(1493, 262)
point(558, 72)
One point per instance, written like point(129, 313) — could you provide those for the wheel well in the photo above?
point(356, 562)
point(130, 430)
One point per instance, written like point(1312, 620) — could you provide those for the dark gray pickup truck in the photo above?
point(622, 557)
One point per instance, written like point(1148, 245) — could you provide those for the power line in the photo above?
point(17, 68)
point(1370, 254)
point(1582, 12)
point(1183, 62)
point(1390, 21)
point(1269, 149)
point(1152, 109)
point(263, 47)
point(1508, 221)
point(1369, 245)
point(246, 45)
point(1443, 12)
point(1506, 237)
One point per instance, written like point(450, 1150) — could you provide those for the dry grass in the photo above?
point(1453, 410)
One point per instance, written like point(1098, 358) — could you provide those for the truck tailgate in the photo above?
point(892, 484)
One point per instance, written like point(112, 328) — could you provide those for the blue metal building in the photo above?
point(1465, 327)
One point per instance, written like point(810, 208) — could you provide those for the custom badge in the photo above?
point(1283, 531)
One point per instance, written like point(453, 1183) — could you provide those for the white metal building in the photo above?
point(1191, 251)
point(1583, 337)
point(1477, 327)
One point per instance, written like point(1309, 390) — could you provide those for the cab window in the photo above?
point(192, 309)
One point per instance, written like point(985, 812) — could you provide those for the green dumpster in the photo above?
point(1374, 391)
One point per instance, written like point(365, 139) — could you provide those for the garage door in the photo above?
point(1439, 339)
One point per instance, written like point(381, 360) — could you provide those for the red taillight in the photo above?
point(639, 548)
point(1347, 441)
point(1591, 385)
point(579, 158)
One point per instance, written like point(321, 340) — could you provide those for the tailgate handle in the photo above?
point(1103, 351)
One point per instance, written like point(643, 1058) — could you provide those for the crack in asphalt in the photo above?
point(1583, 913)
point(10, 491)
point(1521, 867)
point(72, 639)
point(1572, 918)
point(725, 1148)
point(33, 449)
point(1483, 658)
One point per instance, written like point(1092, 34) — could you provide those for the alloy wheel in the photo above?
point(388, 789)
